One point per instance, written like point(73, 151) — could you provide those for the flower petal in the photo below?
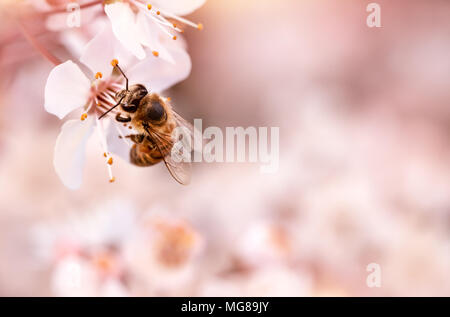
point(124, 27)
point(157, 74)
point(67, 88)
point(116, 143)
point(150, 34)
point(102, 49)
point(70, 150)
point(179, 7)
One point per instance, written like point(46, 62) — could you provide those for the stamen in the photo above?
point(98, 75)
point(83, 116)
point(155, 53)
point(174, 37)
point(104, 145)
point(107, 98)
point(182, 20)
point(112, 179)
point(104, 154)
point(114, 62)
point(110, 160)
point(169, 99)
point(161, 17)
point(121, 136)
point(161, 22)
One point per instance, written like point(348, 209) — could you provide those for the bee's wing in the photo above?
point(180, 170)
point(197, 143)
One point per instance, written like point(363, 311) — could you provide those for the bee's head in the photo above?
point(131, 97)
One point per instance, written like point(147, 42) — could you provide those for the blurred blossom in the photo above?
point(86, 251)
point(264, 244)
point(273, 281)
point(164, 252)
point(76, 276)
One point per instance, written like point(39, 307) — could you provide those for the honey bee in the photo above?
point(155, 121)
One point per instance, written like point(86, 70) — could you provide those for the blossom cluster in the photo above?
point(144, 38)
point(115, 251)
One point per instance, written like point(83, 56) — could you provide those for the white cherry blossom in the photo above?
point(85, 249)
point(91, 93)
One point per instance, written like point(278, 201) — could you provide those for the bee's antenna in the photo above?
point(115, 63)
point(104, 114)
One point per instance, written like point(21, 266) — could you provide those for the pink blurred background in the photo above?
point(364, 173)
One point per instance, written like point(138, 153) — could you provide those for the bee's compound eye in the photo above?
point(156, 111)
point(138, 91)
point(142, 92)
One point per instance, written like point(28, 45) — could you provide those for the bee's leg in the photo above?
point(122, 119)
point(136, 138)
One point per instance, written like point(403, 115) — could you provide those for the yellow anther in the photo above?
point(174, 25)
point(112, 180)
point(200, 26)
point(105, 155)
point(169, 99)
point(155, 53)
point(158, 13)
point(149, 6)
point(114, 62)
point(83, 116)
point(174, 37)
point(110, 161)
point(98, 75)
